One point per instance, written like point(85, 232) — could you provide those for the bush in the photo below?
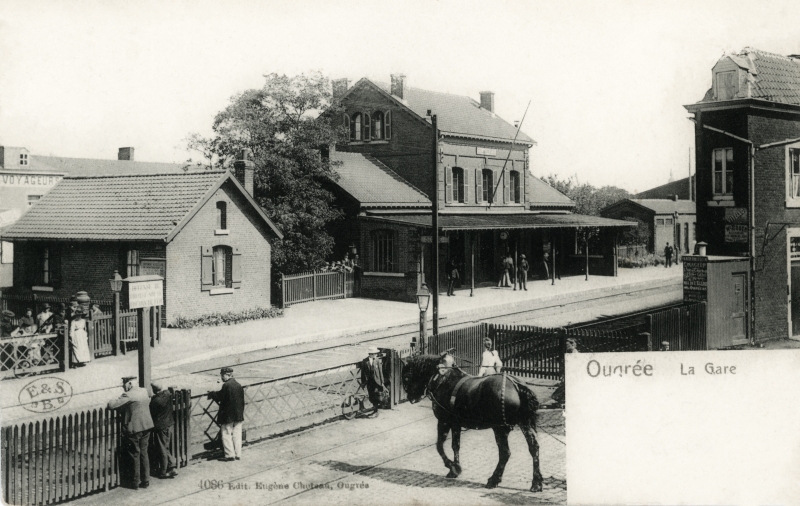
point(641, 261)
point(229, 318)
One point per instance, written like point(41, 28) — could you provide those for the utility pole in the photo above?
point(435, 226)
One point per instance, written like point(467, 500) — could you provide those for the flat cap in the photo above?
point(126, 379)
point(226, 370)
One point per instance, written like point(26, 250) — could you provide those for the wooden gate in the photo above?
point(684, 328)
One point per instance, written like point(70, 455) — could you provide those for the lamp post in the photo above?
point(423, 299)
point(116, 288)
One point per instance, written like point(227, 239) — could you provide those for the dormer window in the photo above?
point(23, 159)
point(726, 85)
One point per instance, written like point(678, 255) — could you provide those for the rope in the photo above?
point(503, 399)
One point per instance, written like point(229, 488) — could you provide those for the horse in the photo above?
point(496, 402)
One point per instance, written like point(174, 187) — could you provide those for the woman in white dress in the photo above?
point(79, 340)
point(490, 360)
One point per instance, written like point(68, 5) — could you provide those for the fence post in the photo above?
point(646, 337)
point(283, 292)
point(117, 329)
point(562, 344)
point(314, 285)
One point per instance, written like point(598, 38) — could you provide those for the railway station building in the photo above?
point(747, 138)
point(668, 220)
point(490, 204)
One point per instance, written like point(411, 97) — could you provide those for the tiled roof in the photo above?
point(459, 115)
point(660, 206)
point(544, 195)
point(500, 221)
point(372, 183)
point(665, 191)
point(774, 77)
point(94, 167)
point(143, 207)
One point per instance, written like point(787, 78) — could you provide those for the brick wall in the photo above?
point(184, 295)
point(401, 289)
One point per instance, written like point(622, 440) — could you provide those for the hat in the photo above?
point(28, 309)
point(664, 343)
point(226, 370)
point(156, 387)
point(8, 313)
point(126, 379)
point(73, 298)
point(522, 255)
point(46, 305)
point(373, 350)
point(62, 306)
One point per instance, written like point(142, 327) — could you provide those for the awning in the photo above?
point(501, 221)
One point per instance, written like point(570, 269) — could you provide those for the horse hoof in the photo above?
point(492, 483)
point(457, 469)
point(451, 475)
point(536, 488)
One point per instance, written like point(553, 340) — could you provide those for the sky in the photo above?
point(606, 81)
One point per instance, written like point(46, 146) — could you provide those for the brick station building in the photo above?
point(489, 202)
point(747, 139)
point(201, 231)
point(669, 220)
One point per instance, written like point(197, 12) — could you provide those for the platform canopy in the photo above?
point(501, 221)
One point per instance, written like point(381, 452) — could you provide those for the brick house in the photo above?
point(747, 138)
point(201, 231)
point(669, 220)
point(489, 202)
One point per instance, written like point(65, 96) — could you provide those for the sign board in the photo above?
point(145, 291)
point(695, 279)
point(426, 239)
point(486, 151)
point(29, 180)
point(735, 232)
point(153, 267)
point(736, 215)
point(794, 248)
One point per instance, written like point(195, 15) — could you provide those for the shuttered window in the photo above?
point(388, 125)
point(355, 127)
point(488, 185)
point(458, 185)
point(377, 125)
point(516, 194)
point(220, 267)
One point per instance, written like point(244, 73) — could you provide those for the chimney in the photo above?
point(244, 169)
point(399, 86)
point(125, 154)
point(487, 100)
point(675, 197)
point(340, 87)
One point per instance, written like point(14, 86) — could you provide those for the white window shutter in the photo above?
point(466, 186)
point(387, 120)
point(448, 184)
point(478, 186)
point(506, 186)
point(236, 267)
point(206, 267)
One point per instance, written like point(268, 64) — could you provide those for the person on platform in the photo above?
point(372, 379)
point(42, 319)
point(163, 428)
point(452, 276)
point(668, 256)
point(522, 272)
point(664, 346)
point(79, 339)
point(96, 311)
point(490, 360)
point(58, 320)
point(27, 324)
point(545, 266)
point(134, 404)
point(231, 414)
point(7, 328)
point(73, 305)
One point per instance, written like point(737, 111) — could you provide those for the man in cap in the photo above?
point(27, 324)
point(42, 318)
point(6, 327)
point(134, 403)
point(522, 272)
point(372, 378)
point(664, 346)
point(163, 422)
point(231, 414)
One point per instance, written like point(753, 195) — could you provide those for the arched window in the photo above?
point(458, 185)
point(355, 127)
point(377, 125)
point(346, 122)
point(366, 136)
point(514, 189)
point(222, 216)
point(222, 267)
point(387, 129)
point(488, 185)
point(383, 251)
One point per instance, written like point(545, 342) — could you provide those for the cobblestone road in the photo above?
point(388, 460)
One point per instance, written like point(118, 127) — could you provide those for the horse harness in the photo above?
point(454, 394)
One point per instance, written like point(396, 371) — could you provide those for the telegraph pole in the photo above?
point(435, 226)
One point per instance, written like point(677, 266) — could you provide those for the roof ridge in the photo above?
point(429, 91)
point(160, 174)
point(747, 50)
point(58, 157)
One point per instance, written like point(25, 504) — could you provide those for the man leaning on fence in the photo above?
point(163, 423)
point(372, 378)
point(134, 404)
point(231, 414)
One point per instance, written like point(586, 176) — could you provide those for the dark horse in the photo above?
point(459, 401)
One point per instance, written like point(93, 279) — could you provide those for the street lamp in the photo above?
point(116, 283)
point(116, 287)
point(423, 299)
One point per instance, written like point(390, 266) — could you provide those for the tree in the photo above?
point(587, 198)
point(285, 123)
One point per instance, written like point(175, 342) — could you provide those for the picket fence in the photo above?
point(315, 285)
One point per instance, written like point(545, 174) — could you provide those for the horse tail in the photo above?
point(528, 406)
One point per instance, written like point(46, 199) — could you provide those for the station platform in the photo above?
point(318, 325)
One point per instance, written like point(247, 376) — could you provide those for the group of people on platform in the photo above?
point(348, 264)
point(506, 269)
point(144, 416)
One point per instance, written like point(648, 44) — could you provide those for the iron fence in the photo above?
point(314, 285)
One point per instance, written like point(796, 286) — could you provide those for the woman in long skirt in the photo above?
point(79, 340)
